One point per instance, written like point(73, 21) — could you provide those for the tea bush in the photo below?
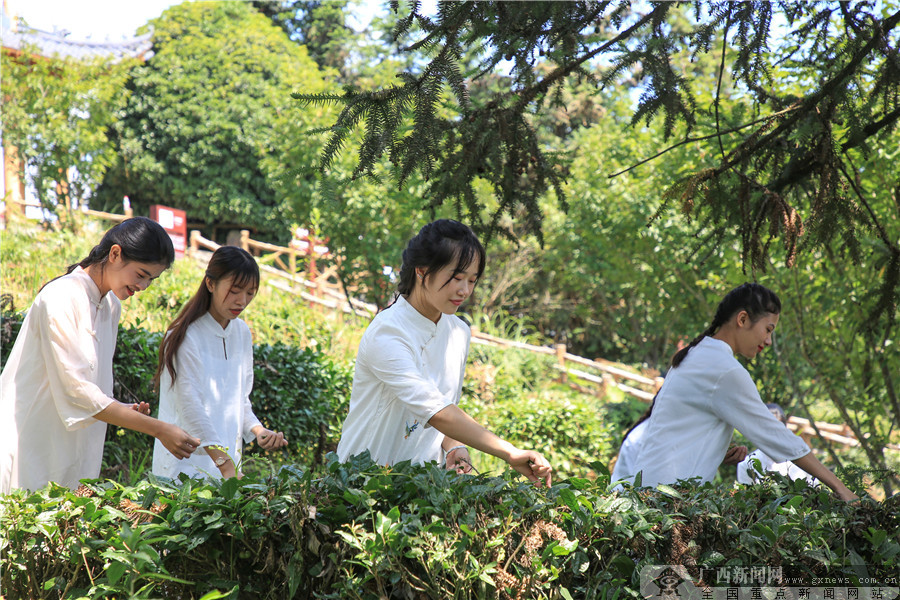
point(364, 531)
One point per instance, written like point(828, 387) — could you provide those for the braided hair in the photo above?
point(754, 298)
point(436, 246)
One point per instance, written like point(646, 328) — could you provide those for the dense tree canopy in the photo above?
point(57, 113)
point(208, 124)
point(320, 26)
point(813, 85)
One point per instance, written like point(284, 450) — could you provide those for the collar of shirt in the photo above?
point(420, 326)
point(717, 345)
point(212, 326)
point(89, 285)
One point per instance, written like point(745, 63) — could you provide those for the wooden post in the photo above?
point(245, 239)
point(292, 260)
point(561, 359)
point(195, 242)
point(15, 186)
point(657, 383)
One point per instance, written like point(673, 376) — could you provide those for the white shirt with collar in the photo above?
point(211, 396)
point(57, 377)
point(701, 403)
point(408, 368)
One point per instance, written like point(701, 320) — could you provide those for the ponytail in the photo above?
point(754, 298)
point(141, 240)
point(226, 261)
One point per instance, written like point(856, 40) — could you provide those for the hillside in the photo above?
point(301, 525)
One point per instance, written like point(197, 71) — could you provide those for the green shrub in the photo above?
point(364, 531)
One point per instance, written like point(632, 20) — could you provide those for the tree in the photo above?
point(320, 26)
point(781, 172)
point(208, 123)
point(57, 113)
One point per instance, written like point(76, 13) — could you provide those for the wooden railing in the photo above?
point(92, 213)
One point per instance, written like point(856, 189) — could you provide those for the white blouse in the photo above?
point(625, 463)
point(57, 377)
point(701, 403)
point(408, 368)
point(211, 396)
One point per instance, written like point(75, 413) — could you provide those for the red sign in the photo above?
point(174, 221)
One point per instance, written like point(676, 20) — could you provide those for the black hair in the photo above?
point(141, 239)
point(777, 411)
point(437, 245)
point(226, 261)
point(754, 298)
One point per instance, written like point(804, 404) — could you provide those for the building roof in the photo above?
point(57, 44)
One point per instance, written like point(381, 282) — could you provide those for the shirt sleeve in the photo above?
point(189, 402)
point(249, 417)
point(738, 404)
point(71, 359)
point(392, 360)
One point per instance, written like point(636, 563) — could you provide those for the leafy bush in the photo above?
point(304, 394)
point(364, 531)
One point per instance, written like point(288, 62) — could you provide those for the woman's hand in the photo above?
point(735, 455)
point(268, 439)
point(846, 495)
point(532, 465)
point(141, 407)
point(177, 441)
point(458, 458)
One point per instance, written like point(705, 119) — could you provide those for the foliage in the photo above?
point(320, 26)
point(364, 531)
point(829, 88)
point(56, 117)
point(199, 129)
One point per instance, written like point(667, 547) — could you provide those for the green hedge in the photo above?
point(364, 531)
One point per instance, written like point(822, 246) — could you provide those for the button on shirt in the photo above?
point(57, 377)
point(408, 368)
point(701, 403)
